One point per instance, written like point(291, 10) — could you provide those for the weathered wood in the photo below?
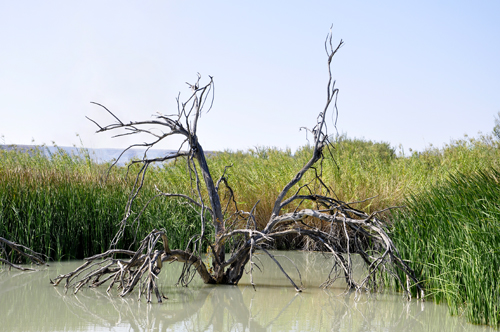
point(21, 251)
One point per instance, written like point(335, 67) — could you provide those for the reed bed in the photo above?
point(448, 227)
point(450, 233)
point(60, 205)
point(354, 170)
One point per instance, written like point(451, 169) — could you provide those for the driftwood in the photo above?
point(10, 249)
point(350, 231)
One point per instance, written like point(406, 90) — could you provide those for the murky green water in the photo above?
point(29, 303)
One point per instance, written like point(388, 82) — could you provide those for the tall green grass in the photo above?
point(451, 235)
point(60, 205)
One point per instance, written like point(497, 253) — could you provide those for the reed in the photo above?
point(60, 206)
point(46, 201)
point(451, 234)
point(354, 170)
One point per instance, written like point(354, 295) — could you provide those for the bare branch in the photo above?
point(297, 288)
point(92, 102)
point(20, 251)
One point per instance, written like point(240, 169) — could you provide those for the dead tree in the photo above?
point(351, 231)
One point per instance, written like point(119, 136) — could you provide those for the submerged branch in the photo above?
point(15, 250)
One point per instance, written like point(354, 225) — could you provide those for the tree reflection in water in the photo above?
point(29, 303)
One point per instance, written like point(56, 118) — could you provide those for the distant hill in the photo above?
point(99, 155)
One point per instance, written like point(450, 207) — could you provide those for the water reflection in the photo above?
point(29, 303)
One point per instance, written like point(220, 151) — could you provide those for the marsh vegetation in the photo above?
point(448, 229)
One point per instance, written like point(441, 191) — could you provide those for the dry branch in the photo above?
point(9, 249)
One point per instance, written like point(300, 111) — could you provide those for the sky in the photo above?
point(410, 73)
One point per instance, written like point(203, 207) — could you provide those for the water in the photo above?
point(28, 302)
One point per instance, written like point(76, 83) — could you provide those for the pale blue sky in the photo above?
point(410, 72)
